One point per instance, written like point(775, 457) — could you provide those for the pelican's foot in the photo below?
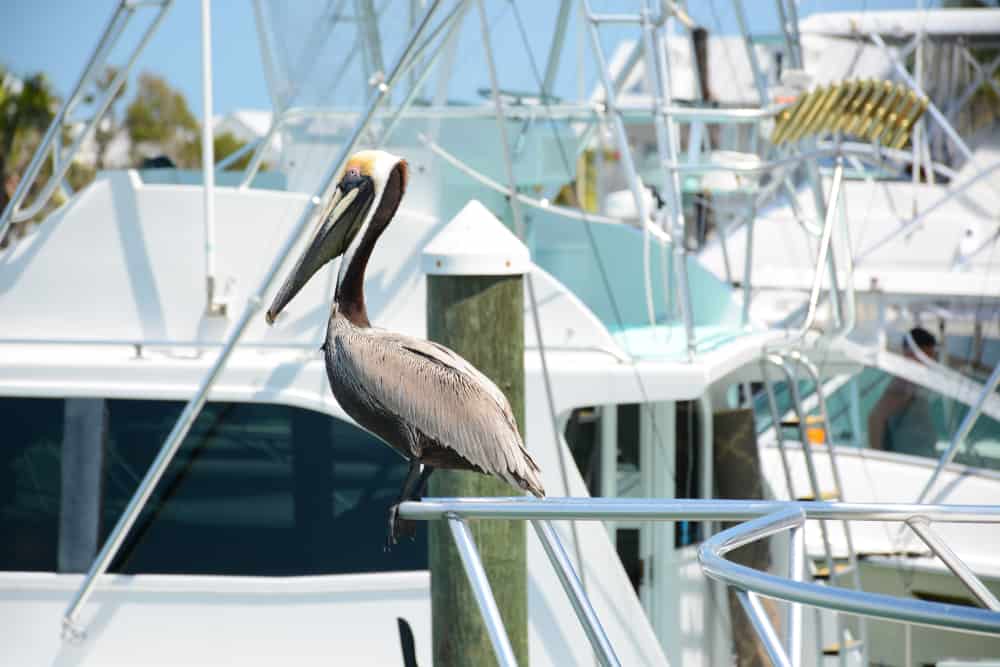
point(398, 528)
point(392, 534)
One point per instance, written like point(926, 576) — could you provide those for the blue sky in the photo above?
point(57, 36)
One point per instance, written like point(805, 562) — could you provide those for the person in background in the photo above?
point(901, 420)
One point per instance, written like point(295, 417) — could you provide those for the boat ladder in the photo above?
point(815, 436)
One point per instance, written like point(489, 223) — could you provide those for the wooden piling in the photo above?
point(482, 319)
point(738, 475)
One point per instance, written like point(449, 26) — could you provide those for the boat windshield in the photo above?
point(255, 490)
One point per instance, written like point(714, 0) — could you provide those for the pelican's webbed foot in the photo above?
point(392, 533)
point(398, 528)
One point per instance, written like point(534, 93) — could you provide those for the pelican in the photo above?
point(428, 403)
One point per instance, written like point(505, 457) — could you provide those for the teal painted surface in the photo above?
point(602, 265)
point(668, 342)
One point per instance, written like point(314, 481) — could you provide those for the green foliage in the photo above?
point(158, 112)
point(226, 144)
point(80, 175)
point(24, 117)
point(158, 120)
point(160, 115)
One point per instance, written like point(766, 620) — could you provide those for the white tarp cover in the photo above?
point(827, 59)
point(939, 22)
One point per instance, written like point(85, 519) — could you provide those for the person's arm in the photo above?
point(893, 401)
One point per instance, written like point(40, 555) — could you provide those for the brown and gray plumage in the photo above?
point(428, 403)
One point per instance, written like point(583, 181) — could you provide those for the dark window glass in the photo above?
point(254, 490)
point(30, 464)
point(627, 544)
point(687, 468)
point(628, 436)
point(583, 435)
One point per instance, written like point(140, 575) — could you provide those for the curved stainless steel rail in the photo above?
point(761, 519)
point(755, 582)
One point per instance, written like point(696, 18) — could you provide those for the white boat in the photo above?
point(135, 346)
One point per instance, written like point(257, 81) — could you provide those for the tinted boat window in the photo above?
point(255, 490)
point(30, 464)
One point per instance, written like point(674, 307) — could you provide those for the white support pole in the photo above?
point(609, 459)
point(208, 158)
point(706, 417)
point(918, 129)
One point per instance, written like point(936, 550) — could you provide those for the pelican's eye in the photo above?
point(352, 179)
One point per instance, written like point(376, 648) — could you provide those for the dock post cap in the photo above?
point(475, 243)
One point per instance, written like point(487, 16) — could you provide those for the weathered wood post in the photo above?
point(475, 305)
point(738, 475)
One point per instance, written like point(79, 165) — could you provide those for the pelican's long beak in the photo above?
point(347, 210)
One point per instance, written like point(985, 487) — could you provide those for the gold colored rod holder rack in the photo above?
point(875, 111)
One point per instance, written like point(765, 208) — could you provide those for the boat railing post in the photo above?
point(922, 527)
point(796, 572)
point(765, 631)
point(571, 584)
point(194, 405)
point(481, 589)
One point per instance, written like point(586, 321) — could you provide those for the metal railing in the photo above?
point(760, 519)
point(113, 31)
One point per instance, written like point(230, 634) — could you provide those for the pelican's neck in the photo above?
point(349, 297)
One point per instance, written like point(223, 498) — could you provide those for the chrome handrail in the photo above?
point(761, 518)
point(934, 614)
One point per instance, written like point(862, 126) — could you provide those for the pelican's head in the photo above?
point(369, 188)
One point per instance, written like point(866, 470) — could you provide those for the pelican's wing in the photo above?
point(445, 398)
